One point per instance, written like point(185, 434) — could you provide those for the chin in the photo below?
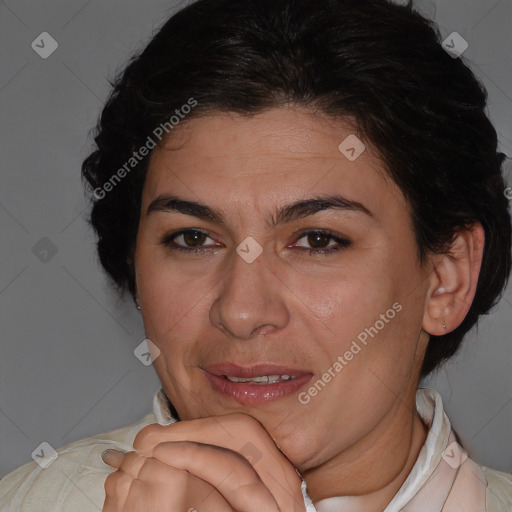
point(298, 448)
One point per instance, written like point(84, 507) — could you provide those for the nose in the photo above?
point(251, 300)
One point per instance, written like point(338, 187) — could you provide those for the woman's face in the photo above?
point(305, 265)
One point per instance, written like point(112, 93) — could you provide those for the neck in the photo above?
point(375, 468)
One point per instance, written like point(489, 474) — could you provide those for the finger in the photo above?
point(117, 487)
point(113, 458)
point(154, 471)
point(148, 484)
point(151, 470)
point(232, 431)
point(143, 496)
point(224, 469)
point(220, 431)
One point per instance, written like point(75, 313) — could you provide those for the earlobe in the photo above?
point(136, 297)
point(454, 281)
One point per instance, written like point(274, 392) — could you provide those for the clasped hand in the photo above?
point(217, 464)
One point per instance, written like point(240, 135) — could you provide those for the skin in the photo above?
point(361, 434)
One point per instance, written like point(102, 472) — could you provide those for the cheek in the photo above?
point(346, 301)
point(167, 297)
point(370, 319)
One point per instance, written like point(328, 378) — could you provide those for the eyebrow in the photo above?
point(297, 210)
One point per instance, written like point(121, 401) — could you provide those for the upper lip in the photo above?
point(258, 370)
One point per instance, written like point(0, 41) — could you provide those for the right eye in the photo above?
point(188, 240)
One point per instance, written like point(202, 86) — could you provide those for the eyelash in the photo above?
point(169, 242)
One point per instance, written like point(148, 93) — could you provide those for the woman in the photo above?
point(305, 200)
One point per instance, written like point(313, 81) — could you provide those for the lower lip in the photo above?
point(256, 394)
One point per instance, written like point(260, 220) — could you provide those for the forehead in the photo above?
point(279, 154)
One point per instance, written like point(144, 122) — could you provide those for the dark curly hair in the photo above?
point(372, 61)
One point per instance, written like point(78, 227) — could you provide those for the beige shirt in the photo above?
point(443, 478)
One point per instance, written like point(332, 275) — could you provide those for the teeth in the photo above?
point(264, 379)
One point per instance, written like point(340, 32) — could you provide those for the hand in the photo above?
point(221, 463)
point(147, 485)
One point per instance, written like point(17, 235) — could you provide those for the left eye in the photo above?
point(319, 242)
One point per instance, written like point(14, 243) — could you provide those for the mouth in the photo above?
point(255, 385)
point(262, 380)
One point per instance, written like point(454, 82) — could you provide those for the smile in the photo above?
point(256, 385)
point(264, 379)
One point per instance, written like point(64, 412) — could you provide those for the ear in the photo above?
point(454, 281)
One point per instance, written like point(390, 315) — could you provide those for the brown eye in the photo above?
point(321, 242)
point(193, 238)
point(318, 240)
point(188, 240)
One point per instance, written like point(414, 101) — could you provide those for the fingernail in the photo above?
point(108, 453)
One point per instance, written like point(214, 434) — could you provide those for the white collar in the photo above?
point(162, 409)
point(429, 405)
point(442, 478)
point(430, 408)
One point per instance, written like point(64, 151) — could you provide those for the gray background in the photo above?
point(67, 368)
